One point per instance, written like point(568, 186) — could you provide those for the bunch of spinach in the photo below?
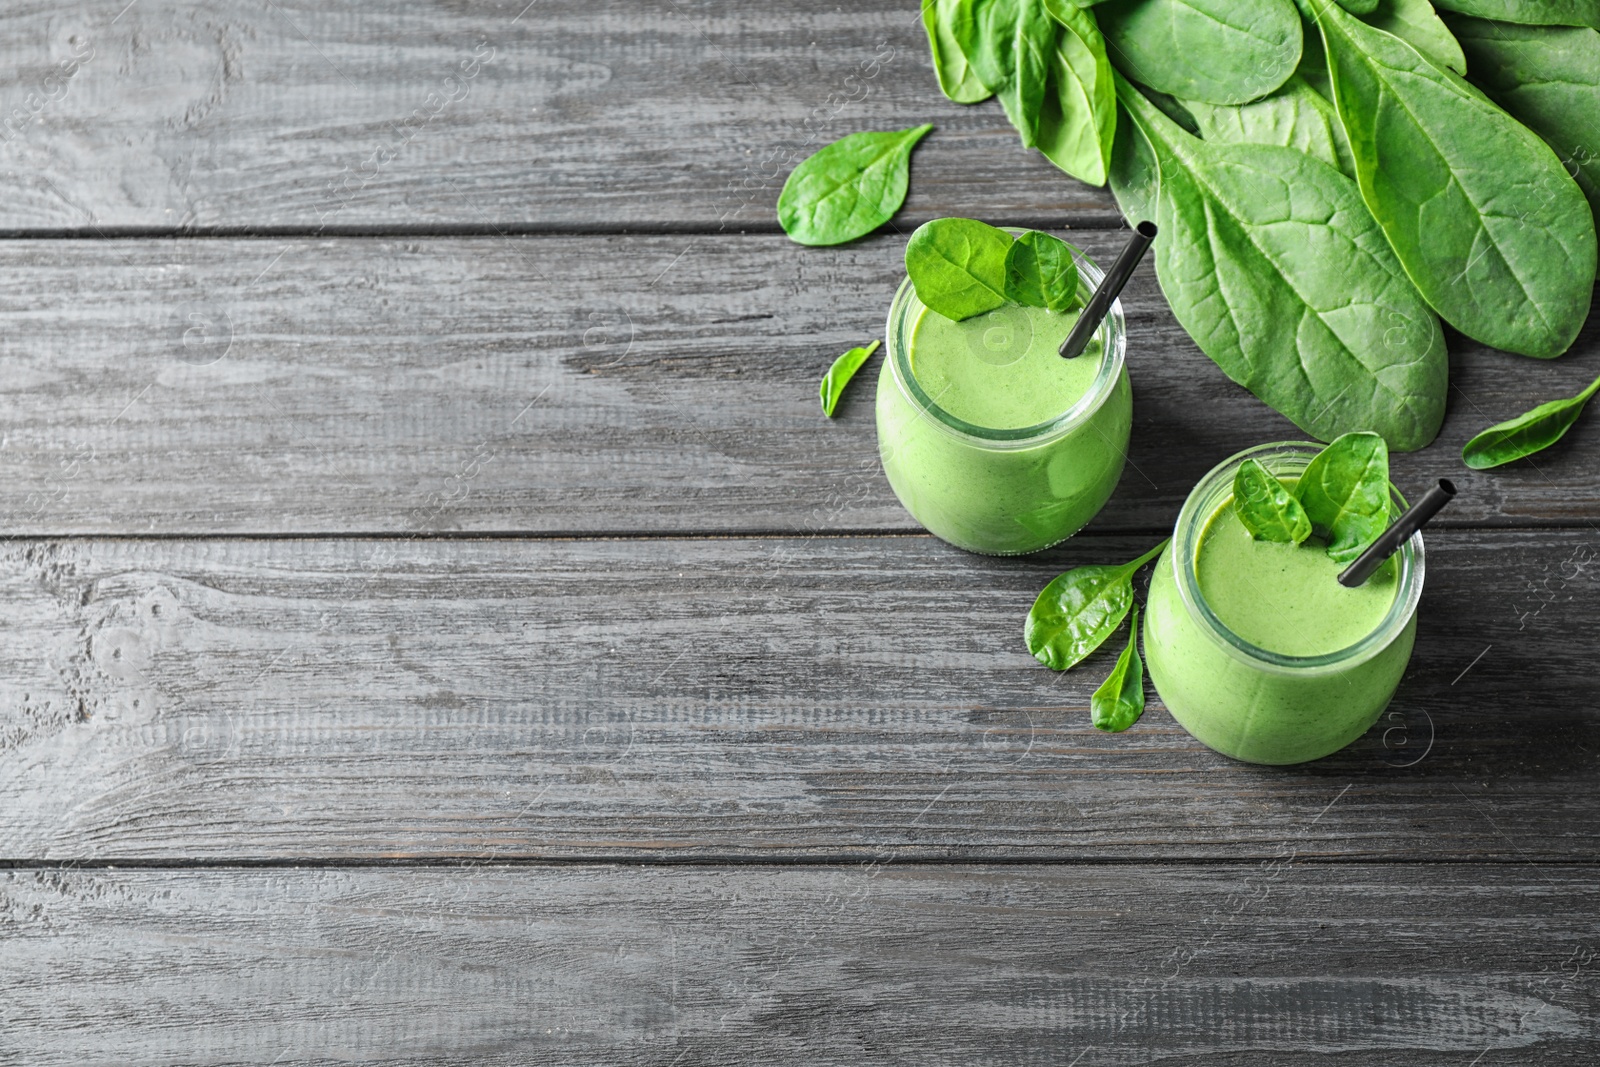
point(1325, 178)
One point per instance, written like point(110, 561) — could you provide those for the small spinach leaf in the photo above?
point(1487, 223)
point(1526, 434)
point(1119, 701)
point(848, 188)
point(1219, 51)
point(839, 375)
point(957, 79)
point(1345, 492)
point(1041, 273)
point(1266, 507)
point(1530, 12)
point(958, 266)
point(1076, 612)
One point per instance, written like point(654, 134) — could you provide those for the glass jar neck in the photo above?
point(1286, 459)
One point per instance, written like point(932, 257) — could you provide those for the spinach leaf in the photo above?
point(1135, 174)
point(1219, 51)
point(1487, 223)
point(957, 79)
point(1078, 117)
point(1271, 262)
point(1548, 78)
point(1009, 44)
point(1119, 701)
point(1295, 116)
point(1526, 434)
point(1359, 7)
point(958, 266)
point(1416, 23)
point(844, 368)
point(848, 188)
point(1530, 12)
point(1345, 491)
point(1041, 273)
point(1076, 612)
point(1266, 507)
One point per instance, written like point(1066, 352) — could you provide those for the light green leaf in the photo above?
point(839, 375)
point(848, 188)
point(1076, 612)
point(1530, 12)
point(1219, 51)
point(1295, 116)
point(958, 266)
point(1041, 273)
point(1345, 491)
point(1526, 434)
point(1266, 507)
point(1119, 702)
point(957, 79)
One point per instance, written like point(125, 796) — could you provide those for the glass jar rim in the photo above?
point(1112, 335)
point(1209, 496)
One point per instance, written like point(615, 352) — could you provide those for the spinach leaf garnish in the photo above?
point(1482, 215)
point(1219, 51)
point(1119, 701)
point(1266, 507)
point(1336, 339)
point(1530, 432)
point(1040, 272)
point(958, 266)
point(848, 188)
point(1076, 612)
point(1345, 493)
point(839, 375)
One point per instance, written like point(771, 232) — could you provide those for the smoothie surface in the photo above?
point(1287, 598)
point(1001, 370)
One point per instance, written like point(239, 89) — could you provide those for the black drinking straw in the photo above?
point(1110, 287)
point(1391, 539)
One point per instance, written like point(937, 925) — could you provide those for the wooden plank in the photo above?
point(1288, 964)
point(565, 114)
point(564, 385)
point(808, 697)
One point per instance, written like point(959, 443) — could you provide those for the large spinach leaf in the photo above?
point(1416, 22)
point(1295, 116)
point(957, 79)
point(1273, 265)
point(1479, 210)
point(1530, 12)
point(1219, 51)
point(1548, 78)
point(1078, 115)
point(849, 188)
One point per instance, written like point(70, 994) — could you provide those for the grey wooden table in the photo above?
point(438, 626)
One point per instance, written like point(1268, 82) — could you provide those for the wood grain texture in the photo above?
point(566, 385)
point(563, 114)
point(695, 699)
point(1283, 964)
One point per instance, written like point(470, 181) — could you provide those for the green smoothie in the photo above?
point(988, 437)
point(1255, 647)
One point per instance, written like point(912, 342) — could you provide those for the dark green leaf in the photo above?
point(1135, 174)
point(1415, 22)
point(1359, 7)
point(849, 188)
point(1076, 612)
point(1219, 51)
point(1526, 434)
point(1274, 266)
point(957, 79)
point(1266, 507)
point(1548, 78)
point(1041, 273)
point(1487, 223)
point(1119, 701)
point(1530, 12)
point(839, 375)
point(958, 266)
point(1345, 491)
point(1078, 117)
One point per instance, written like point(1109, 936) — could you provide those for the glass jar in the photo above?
point(1245, 701)
point(1003, 492)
